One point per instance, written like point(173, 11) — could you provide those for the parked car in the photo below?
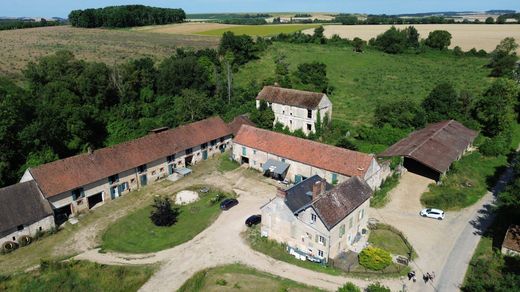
point(253, 220)
point(432, 213)
point(228, 203)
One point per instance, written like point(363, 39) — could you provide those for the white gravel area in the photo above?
point(186, 197)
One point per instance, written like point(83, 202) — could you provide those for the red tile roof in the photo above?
point(331, 158)
point(76, 171)
point(237, 122)
point(436, 146)
point(293, 97)
point(512, 238)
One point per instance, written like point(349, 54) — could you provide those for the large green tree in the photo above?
point(438, 39)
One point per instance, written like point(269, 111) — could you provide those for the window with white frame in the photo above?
point(313, 218)
point(321, 240)
point(361, 214)
point(320, 253)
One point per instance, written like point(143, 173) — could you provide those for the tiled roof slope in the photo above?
point(297, 196)
point(436, 146)
point(293, 97)
point(70, 173)
point(22, 204)
point(512, 238)
point(336, 204)
point(238, 121)
point(331, 158)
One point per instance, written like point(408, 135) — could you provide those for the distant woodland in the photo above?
point(125, 16)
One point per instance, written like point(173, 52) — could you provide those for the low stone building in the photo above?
point(23, 211)
point(297, 159)
point(80, 182)
point(316, 220)
point(296, 109)
point(511, 244)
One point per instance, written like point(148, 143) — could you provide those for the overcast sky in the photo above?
point(61, 8)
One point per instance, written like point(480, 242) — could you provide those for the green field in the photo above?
point(77, 276)
point(260, 30)
point(239, 277)
point(135, 233)
point(362, 80)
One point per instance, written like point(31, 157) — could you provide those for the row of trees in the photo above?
point(351, 19)
point(19, 24)
point(125, 16)
point(396, 41)
point(71, 105)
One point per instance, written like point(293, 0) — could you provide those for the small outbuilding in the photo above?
point(431, 151)
point(23, 212)
point(511, 244)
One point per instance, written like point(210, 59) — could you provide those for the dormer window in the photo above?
point(313, 218)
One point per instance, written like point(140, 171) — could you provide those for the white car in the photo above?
point(432, 213)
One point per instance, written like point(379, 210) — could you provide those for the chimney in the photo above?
point(281, 193)
point(318, 188)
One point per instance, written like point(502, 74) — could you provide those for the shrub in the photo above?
point(496, 146)
point(438, 39)
point(9, 246)
point(221, 282)
point(377, 287)
point(346, 143)
point(163, 214)
point(349, 287)
point(374, 258)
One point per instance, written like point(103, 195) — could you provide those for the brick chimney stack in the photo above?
point(318, 188)
point(281, 193)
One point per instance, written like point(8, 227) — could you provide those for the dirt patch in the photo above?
point(186, 197)
point(467, 36)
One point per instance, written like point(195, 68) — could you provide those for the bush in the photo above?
point(438, 39)
point(374, 258)
point(163, 214)
point(386, 135)
point(349, 287)
point(25, 240)
point(346, 143)
point(377, 287)
point(496, 146)
point(221, 282)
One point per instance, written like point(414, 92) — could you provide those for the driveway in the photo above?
point(444, 247)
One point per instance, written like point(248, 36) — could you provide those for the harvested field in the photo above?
point(467, 36)
point(261, 30)
point(183, 28)
point(18, 47)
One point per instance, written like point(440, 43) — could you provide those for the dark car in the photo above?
point(228, 203)
point(253, 220)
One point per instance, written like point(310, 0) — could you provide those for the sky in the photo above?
point(61, 8)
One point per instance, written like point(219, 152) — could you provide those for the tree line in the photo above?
point(19, 24)
point(70, 105)
point(351, 19)
point(125, 16)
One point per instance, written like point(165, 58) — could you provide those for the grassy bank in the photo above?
point(380, 197)
point(239, 277)
point(468, 180)
point(78, 276)
point(260, 30)
point(135, 233)
point(361, 81)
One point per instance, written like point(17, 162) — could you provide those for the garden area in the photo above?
point(240, 277)
point(390, 239)
point(77, 276)
point(136, 233)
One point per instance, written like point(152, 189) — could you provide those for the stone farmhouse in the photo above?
point(296, 109)
point(294, 159)
point(23, 211)
point(80, 182)
point(316, 220)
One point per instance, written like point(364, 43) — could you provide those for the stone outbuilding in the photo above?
point(511, 244)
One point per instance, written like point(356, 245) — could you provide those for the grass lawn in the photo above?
point(260, 30)
point(468, 180)
point(380, 197)
point(240, 277)
point(363, 80)
point(226, 164)
point(135, 233)
point(389, 241)
point(78, 276)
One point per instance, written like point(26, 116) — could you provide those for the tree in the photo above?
point(442, 103)
point(263, 117)
point(374, 258)
point(490, 20)
point(495, 109)
point(403, 114)
point(282, 71)
point(178, 73)
point(346, 143)
point(412, 37)
point(504, 58)
point(358, 44)
point(242, 47)
point(313, 75)
point(163, 214)
point(349, 287)
point(346, 19)
point(318, 35)
point(392, 41)
point(438, 39)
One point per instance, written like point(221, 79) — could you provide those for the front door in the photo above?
point(144, 180)
point(170, 169)
point(113, 193)
point(204, 154)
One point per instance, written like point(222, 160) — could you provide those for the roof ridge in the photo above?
point(432, 136)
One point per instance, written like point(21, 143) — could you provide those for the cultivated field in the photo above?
point(18, 47)
point(467, 36)
point(184, 28)
point(261, 30)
